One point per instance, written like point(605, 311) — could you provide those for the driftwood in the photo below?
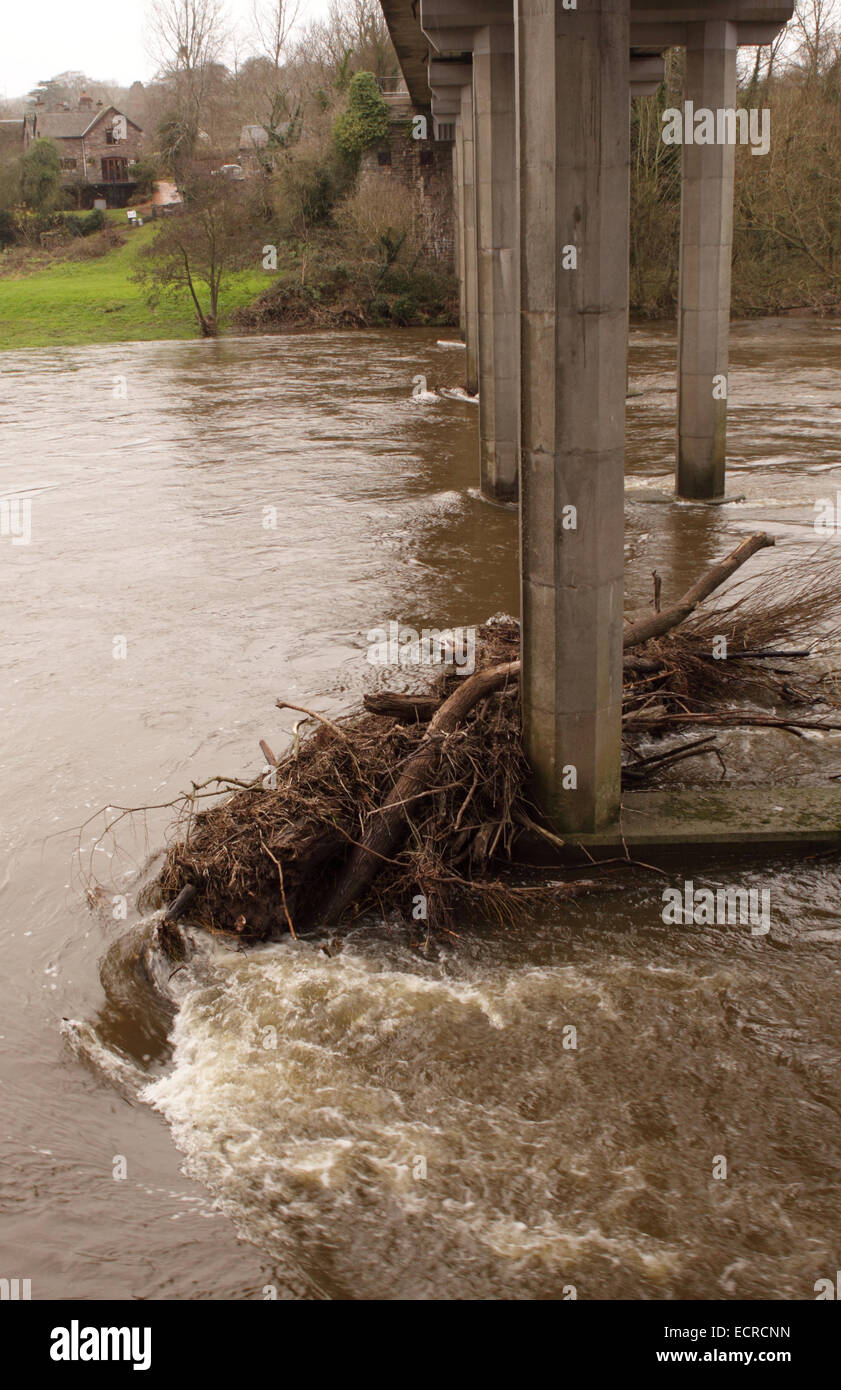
point(409, 709)
point(424, 793)
point(179, 905)
point(387, 823)
point(725, 719)
point(659, 623)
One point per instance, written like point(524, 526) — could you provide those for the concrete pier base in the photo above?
point(668, 824)
point(497, 257)
point(706, 239)
point(573, 178)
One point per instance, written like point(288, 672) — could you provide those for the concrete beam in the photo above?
point(446, 72)
point(494, 105)
point(706, 241)
point(574, 140)
point(647, 72)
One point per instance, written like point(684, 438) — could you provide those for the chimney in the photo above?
point(85, 102)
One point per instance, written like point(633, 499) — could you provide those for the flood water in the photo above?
point(419, 1130)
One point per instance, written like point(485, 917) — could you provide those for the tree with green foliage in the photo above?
point(364, 122)
point(41, 176)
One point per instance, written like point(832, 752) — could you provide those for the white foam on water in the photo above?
point(85, 1042)
point(458, 393)
point(298, 1093)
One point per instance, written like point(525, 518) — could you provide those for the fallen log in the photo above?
point(388, 822)
point(726, 719)
point(407, 708)
point(179, 904)
point(656, 624)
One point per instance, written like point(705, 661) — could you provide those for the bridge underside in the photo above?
point(539, 95)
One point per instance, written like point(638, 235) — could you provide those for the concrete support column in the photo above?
point(494, 73)
point(706, 241)
point(458, 200)
point(471, 283)
point(573, 120)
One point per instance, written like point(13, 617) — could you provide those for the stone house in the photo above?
point(97, 145)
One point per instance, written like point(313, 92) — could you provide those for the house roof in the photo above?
point(253, 137)
point(72, 125)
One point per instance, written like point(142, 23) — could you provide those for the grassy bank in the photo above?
point(96, 301)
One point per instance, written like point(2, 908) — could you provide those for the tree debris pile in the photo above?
point(428, 793)
point(743, 660)
point(267, 859)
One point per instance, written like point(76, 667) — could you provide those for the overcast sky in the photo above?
point(103, 38)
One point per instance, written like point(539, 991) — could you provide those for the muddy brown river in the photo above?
point(379, 1123)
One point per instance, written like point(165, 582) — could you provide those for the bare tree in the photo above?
point(196, 252)
point(274, 21)
point(814, 27)
point(187, 39)
point(354, 37)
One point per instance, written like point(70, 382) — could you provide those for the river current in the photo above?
point(216, 525)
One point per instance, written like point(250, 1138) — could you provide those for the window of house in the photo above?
point(426, 159)
point(384, 158)
point(68, 165)
point(109, 135)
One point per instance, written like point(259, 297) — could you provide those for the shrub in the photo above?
point(364, 122)
point(84, 223)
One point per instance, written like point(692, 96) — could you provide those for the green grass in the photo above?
point(96, 301)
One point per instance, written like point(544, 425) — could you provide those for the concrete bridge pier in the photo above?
point(706, 241)
point(468, 236)
point(458, 237)
point(452, 98)
point(494, 105)
point(574, 189)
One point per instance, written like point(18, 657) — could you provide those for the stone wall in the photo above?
point(426, 166)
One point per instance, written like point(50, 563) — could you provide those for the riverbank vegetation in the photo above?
point(787, 206)
point(72, 296)
point(321, 238)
